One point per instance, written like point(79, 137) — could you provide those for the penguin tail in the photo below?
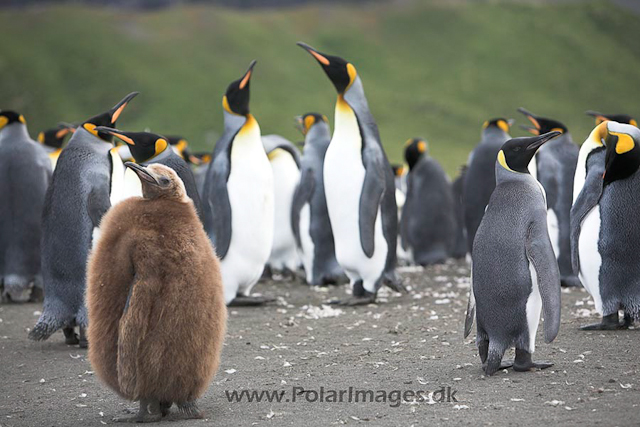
point(46, 326)
point(494, 358)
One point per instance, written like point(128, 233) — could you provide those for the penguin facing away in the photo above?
point(359, 187)
point(309, 215)
point(284, 158)
point(53, 139)
point(25, 172)
point(238, 197)
point(604, 242)
point(554, 165)
point(480, 179)
point(514, 274)
point(148, 148)
point(427, 225)
point(78, 196)
point(460, 240)
point(157, 326)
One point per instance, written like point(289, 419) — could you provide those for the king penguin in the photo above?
point(84, 182)
point(514, 274)
point(309, 217)
point(148, 148)
point(604, 236)
point(285, 163)
point(359, 187)
point(480, 179)
point(460, 241)
point(238, 197)
point(427, 225)
point(25, 172)
point(554, 165)
point(53, 139)
point(620, 118)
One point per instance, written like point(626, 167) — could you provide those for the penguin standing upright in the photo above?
point(157, 324)
point(309, 217)
point(620, 118)
point(359, 187)
point(554, 166)
point(238, 197)
point(460, 241)
point(514, 273)
point(604, 236)
point(285, 163)
point(148, 148)
point(480, 179)
point(25, 172)
point(53, 139)
point(427, 225)
point(83, 184)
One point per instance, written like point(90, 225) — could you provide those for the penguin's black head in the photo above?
point(541, 124)
point(159, 182)
point(144, 146)
point(516, 154)
point(236, 99)
point(415, 148)
point(306, 121)
point(55, 137)
point(500, 123)
point(8, 117)
point(181, 145)
point(623, 151)
point(398, 170)
point(620, 118)
point(107, 118)
point(203, 157)
point(341, 73)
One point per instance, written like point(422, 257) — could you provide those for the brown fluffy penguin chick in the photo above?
point(157, 314)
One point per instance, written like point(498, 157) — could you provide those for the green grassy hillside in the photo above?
point(430, 69)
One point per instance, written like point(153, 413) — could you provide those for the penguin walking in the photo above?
point(83, 183)
point(480, 179)
point(53, 139)
point(603, 233)
point(460, 240)
point(554, 166)
point(514, 272)
point(238, 197)
point(148, 148)
point(309, 216)
point(25, 172)
point(427, 225)
point(359, 187)
point(285, 163)
point(157, 326)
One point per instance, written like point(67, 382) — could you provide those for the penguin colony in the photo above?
point(194, 232)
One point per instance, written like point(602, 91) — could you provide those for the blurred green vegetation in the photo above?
point(431, 69)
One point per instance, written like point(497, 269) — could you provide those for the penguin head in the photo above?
point(414, 149)
point(144, 146)
point(181, 146)
point(516, 154)
point(620, 118)
point(498, 123)
point(8, 117)
point(204, 157)
point(623, 151)
point(541, 125)
point(341, 73)
point(306, 121)
point(107, 118)
point(55, 137)
point(398, 170)
point(236, 98)
point(159, 182)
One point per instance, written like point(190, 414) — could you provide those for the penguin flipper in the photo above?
point(302, 195)
point(372, 191)
point(98, 203)
point(540, 253)
point(217, 216)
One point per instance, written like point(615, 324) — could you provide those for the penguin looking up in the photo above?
point(359, 187)
point(238, 197)
point(309, 215)
point(148, 148)
point(620, 118)
point(514, 273)
point(480, 179)
point(53, 139)
point(157, 325)
point(604, 241)
point(554, 166)
point(427, 225)
point(86, 178)
point(25, 173)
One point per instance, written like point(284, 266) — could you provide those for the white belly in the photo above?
point(590, 259)
point(308, 248)
point(554, 231)
point(533, 167)
point(534, 307)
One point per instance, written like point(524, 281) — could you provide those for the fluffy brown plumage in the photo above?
point(165, 345)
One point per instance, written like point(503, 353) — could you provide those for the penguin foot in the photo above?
point(190, 410)
point(150, 412)
point(249, 301)
point(609, 323)
point(523, 362)
point(70, 337)
point(355, 300)
point(570, 282)
point(82, 340)
point(165, 408)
